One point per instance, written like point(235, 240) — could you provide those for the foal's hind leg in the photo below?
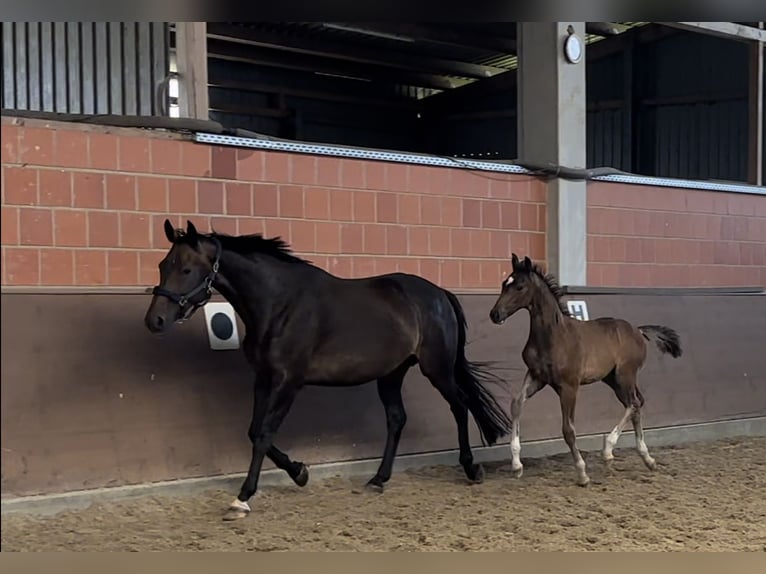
point(529, 388)
point(390, 392)
point(641, 447)
point(625, 385)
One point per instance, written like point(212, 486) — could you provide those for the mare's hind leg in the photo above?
point(529, 388)
point(568, 398)
point(446, 385)
point(390, 393)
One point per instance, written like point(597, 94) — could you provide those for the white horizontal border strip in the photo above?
point(51, 504)
point(420, 159)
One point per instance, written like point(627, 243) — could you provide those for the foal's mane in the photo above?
point(553, 286)
point(255, 243)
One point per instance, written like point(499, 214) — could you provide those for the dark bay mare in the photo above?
point(565, 353)
point(305, 326)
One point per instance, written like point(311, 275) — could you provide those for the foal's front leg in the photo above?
point(529, 388)
point(568, 398)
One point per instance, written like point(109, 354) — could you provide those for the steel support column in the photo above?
point(551, 125)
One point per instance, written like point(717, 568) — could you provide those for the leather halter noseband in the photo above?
point(184, 300)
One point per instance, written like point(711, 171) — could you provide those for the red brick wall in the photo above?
point(646, 236)
point(84, 206)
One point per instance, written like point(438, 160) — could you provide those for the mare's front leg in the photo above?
point(390, 393)
point(296, 470)
point(272, 403)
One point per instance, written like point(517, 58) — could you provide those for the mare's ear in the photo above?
point(514, 261)
point(170, 233)
point(527, 263)
point(191, 234)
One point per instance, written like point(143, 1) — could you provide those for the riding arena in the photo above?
point(316, 286)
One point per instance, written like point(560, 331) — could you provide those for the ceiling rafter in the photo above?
point(350, 52)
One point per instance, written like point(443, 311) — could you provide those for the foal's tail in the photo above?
point(489, 415)
point(665, 338)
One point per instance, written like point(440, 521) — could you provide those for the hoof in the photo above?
point(375, 487)
point(651, 464)
point(583, 481)
point(303, 476)
point(477, 474)
point(237, 510)
point(609, 463)
point(234, 514)
point(517, 472)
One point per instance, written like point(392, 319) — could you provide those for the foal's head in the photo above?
point(186, 276)
point(516, 291)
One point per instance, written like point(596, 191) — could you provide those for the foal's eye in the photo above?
point(187, 271)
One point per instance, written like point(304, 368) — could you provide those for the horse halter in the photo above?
point(187, 306)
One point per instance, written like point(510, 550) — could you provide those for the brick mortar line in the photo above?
point(205, 178)
point(679, 211)
point(674, 238)
point(266, 217)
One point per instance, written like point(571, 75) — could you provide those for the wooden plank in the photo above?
point(130, 69)
point(729, 30)
point(115, 69)
point(145, 86)
point(101, 64)
point(9, 66)
point(191, 59)
point(74, 77)
point(160, 63)
point(88, 63)
point(33, 60)
point(755, 114)
point(59, 67)
point(47, 67)
point(22, 81)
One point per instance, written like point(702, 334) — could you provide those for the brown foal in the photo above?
point(565, 353)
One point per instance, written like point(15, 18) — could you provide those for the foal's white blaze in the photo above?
point(509, 281)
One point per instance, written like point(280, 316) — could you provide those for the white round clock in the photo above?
point(573, 48)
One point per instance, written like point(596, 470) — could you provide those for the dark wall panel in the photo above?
point(90, 398)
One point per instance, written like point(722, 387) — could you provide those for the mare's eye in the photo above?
point(187, 271)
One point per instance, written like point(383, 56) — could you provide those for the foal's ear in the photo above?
point(170, 233)
point(514, 261)
point(527, 263)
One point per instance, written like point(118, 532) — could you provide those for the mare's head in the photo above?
point(186, 277)
point(516, 291)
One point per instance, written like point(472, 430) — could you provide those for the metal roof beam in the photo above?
point(349, 52)
point(446, 36)
point(730, 30)
point(306, 63)
point(605, 28)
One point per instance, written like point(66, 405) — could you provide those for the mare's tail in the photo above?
point(489, 415)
